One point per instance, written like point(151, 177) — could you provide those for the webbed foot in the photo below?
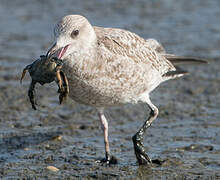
point(108, 160)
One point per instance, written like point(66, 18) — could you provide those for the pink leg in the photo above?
point(108, 158)
point(104, 124)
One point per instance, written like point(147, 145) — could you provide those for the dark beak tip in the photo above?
point(51, 51)
point(48, 54)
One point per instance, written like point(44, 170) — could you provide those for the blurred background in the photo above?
point(185, 137)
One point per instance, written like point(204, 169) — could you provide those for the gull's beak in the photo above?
point(52, 50)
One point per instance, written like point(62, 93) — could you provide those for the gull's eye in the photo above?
point(74, 33)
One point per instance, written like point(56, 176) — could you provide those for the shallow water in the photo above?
point(185, 137)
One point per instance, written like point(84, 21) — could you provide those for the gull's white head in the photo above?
point(73, 33)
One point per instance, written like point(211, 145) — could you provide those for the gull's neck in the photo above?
point(83, 57)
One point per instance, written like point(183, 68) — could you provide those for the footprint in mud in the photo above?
point(196, 148)
point(209, 162)
point(169, 161)
point(157, 162)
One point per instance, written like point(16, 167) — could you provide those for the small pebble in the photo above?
point(57, 138)
point(52, 168)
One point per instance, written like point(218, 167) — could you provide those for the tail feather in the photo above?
point(178, 60)
point(175, 74)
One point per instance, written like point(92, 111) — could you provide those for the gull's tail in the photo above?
point(179, 60)
point(174, 74)
point(174, 59)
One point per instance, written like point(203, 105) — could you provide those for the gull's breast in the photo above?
point(117, 84)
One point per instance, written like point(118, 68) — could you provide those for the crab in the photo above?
point(46, 70)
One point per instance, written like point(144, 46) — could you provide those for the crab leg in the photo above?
point(66, 83)
point(65, 92)
point(31, 95)
point(59, 79)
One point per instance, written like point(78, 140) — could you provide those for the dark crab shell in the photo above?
point(44, 71)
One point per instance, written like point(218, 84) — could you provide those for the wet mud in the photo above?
point(64, 142)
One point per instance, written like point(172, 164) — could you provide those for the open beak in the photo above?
point(52, 50)
point(55, 49)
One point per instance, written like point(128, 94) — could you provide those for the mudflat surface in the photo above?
point(185, 138)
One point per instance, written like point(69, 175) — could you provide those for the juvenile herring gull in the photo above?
point(109, 67)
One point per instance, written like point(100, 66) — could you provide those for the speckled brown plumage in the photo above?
point(108, 67)
point(117, 68)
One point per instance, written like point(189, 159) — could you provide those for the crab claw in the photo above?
point(24, 72)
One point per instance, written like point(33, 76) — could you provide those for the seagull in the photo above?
point(108, 67)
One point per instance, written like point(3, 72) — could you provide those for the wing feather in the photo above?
point(124, 43)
